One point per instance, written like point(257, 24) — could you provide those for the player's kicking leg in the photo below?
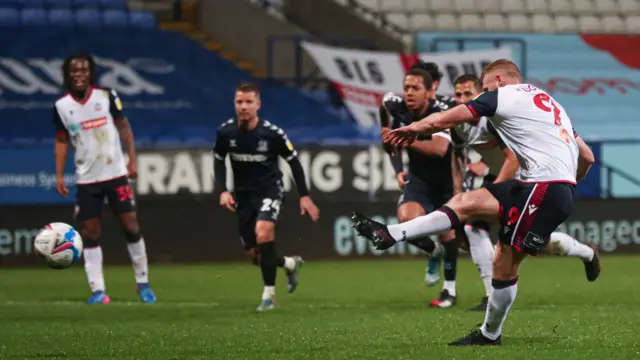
point(122, 203)
point(561, 244)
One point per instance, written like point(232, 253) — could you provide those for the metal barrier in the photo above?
point(496, 42)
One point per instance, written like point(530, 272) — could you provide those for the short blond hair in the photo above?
point(504, 65)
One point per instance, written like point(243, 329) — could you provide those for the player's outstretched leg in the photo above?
point(93, 262)
point(562, 244)
point(482, 252)
point(138, 255)
point(382, 239)
point(505, 289)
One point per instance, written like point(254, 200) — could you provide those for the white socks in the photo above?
point(500, 302)
point(433, 223)
point(93, 268)
point(564, 245)
point(450, 286)
point(482, 252)
point(138, 255)
point(268, 292)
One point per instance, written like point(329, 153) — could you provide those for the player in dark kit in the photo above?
point(443, 101)
point(429, 183)
point(92, 120)
point(254, 146)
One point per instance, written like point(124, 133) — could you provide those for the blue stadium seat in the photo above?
point(34, 17)
point(84, 4)
point(32, 3)
point(9, 4)
point(9, 17)
point(115, 18)
point(55, 4)
point(89, 18)
point(61, 17)
point(142, 20)
point(113, 4)
point(169, 142)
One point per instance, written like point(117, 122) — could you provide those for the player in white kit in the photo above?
point(489, 161)
point(530, 207)
point(91, 119)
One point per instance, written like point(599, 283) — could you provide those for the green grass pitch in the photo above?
point(342, 310)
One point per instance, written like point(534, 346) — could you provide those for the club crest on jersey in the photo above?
point(263, 146)
point(97, 107)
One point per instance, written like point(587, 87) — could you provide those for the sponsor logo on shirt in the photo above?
point(94, 123)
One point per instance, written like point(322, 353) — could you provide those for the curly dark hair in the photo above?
point(66, 76)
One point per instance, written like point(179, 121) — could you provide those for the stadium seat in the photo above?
point(537, 6)
point(630, 7)
point(438, 6)
point(399, 20)
point(582, 7)
point(11, 4)
point(566, 23)
point(391, 6)
point(560, 7)
point(519, 22)
point(9, 17)
point(416, 5)
point(633, 24)
point(61, 17)
point(88, 18)
point(84, 4)
point(613, 24)
point(34, 17)
point(589, 24)
point(115, 18)
point(495, 22)
point(422, 21)
point(142, 20)
point(446, 22)
point(32, 3)
point(543, 23)
point(606, 7)
point(169, 142)
point(466, 6)
point(113, 4)
point(489, 6)
point(53, 4)
point(512, 6)
point(470, 22)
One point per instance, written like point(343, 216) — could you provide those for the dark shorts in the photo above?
point(430, 196)
point(530, 212)
point(253, 206)
point(90, 198)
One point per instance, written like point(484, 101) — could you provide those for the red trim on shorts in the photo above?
point(526, 219)
point(101, 181)
point(473, 111)
point(547, 182)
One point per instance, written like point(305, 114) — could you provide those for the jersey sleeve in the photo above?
point(284, 146)
point(486, 104)
point(446, 134)
point(220, 147)
point(115, 106)
point(57, 122)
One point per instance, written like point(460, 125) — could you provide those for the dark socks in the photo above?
point(425, 244)
point(269, 262)
point(450, 259)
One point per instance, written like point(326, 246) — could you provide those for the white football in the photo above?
point(59, 244)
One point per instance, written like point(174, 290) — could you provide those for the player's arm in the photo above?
point(394, 155)
point(219, 166)
point(60, 149)
point(456, 172)
point(585, 158)
point(124, 130)
point(437, 146)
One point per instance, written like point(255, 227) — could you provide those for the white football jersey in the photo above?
point(480, 137)
point(91, 128)
point(536, 128)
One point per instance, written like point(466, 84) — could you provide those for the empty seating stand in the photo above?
point(548, 16)
point(85, 18)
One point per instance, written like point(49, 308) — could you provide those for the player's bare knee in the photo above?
point(265, 232)
point(130, 223)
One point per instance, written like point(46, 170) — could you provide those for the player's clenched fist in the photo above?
point(62, 188)
point(226, 200)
